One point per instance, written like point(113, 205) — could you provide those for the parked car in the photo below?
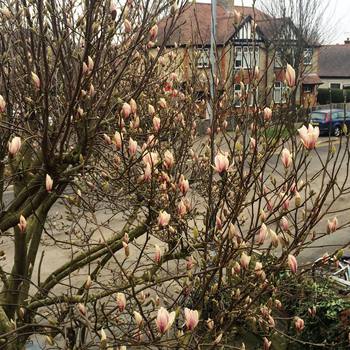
point(329, 121)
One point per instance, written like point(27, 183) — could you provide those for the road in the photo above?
point(54, 256)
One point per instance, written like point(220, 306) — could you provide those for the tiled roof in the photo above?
point(311, 78)
point(335, 61)
point(194, 23)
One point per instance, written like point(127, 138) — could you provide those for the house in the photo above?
point(246, 38)
point(334, 66)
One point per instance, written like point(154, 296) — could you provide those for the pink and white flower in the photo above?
point(164, 320)
point(191, 319)
point(309, 136)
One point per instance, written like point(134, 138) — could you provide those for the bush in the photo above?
point(326, 96)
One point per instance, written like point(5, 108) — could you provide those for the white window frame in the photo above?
point(248, 56)
point(202, 58)
point(330, 85)
point(250, 95)
point(306, 90)
point(237, 92)
point(278, 59)
point(280, 90)
point(308, 53)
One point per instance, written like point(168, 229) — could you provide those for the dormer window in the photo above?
point(202, 58)
point(308, 56)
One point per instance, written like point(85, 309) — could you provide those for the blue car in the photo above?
point(330, 122)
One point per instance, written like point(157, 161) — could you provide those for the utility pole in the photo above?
point(212, 60)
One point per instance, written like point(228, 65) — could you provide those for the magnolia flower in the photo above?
point(332, 225)
point(82, 309)
point(312, 311)
point(168, 159)
point(2, 104)
point(236, 17)
point(286, 158)
point(236, 268)
point(164, 320)
point(256, 72)
point(103, 337)
point(126, 110)
point(36, 81)
point(309, 136)
point(183, 185)
point(121, 301)
point(252, 143)
point(267, 114)
point(297, 199)
point(153, 32)
point(274, 238)
point(150, 158)
point(210, 323)
point(262, 234)
point(299, 324)
point(118, 140)
point(127, 26)
point(163, 218)
point(22, 224)
point(113, 9)
point(107, 139)
point(126, 248)
point(14, 145)
point(267, 343)
point(151, 110)
point(284, 223)
point(221, 163)
point(90, 63)
point(290, 76)
point(189, 263)
point(88, 282)
point(156, 124)
point(132, 147)
point(181, 209)
point(147, 175)
point(218, 222)
point(138, 318)
point(48, 183)
point(244, 260)
point(292, 263)
point(133, 106)
point(162, 103)
point(157, 254)
point(191, 319)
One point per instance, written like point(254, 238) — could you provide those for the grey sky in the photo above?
point(337, 17)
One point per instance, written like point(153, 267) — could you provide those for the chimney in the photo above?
point(228, 5)
point(347, 41)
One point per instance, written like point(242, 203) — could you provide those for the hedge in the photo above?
point(327, 96)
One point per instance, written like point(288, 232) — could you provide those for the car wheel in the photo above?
point(337, 131)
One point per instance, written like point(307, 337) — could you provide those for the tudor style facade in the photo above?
point(265, 42)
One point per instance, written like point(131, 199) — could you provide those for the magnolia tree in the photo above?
point(171, 239)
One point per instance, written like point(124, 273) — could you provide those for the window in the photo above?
point(335, 85)
point(203, 58)
point(278, 59)
point(237, 95)
point(251, 96)
point(278, 92)
point(246, 57)
point(308, 88)
point(308, 56)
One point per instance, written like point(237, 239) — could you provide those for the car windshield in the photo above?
point(316, 116)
